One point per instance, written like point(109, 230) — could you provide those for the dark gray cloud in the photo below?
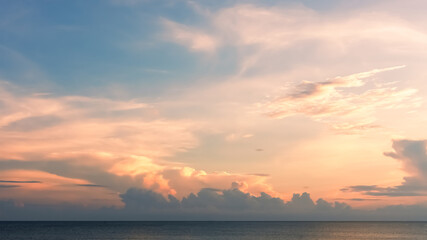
point(308, 89)
point(413, 155)
point(360, 188)
point(210, 204)
point(9, 186)
point(357, 199)
point(9, 181)
point(14, 185)
point(89, 185)
point(219, 204)
point(230, 204)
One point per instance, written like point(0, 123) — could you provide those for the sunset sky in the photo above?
point(147, 109)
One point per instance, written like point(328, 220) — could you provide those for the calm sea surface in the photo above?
point(214, 230)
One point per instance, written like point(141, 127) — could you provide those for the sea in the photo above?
point(214, 230)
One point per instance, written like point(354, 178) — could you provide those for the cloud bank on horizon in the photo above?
point(195, 110)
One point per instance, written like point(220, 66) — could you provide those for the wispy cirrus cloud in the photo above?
point(260, 34)
point(270, 39)
point(332, 102)
point(194, 39)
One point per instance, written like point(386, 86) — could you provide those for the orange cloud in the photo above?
point(57, 127)
point(92, 141)
point(37, 187)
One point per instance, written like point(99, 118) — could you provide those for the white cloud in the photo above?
point(260, 33)
point(195, 40)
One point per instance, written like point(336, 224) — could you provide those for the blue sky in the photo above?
point(78, 45)
point(71, 41)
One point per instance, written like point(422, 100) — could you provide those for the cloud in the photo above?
point(320, 89)
point(210, 204)
point(413, 155)
point(279, 27)
point(229, 204)
point(195, 40)
point(357, 199)
point(49, 188)
point(103, 142)
point(32, 123)
point(187, 180)
point(9, 181)
point(8, 186)
point(277, 39)
point(359, 188)
point(259, 33)
point(90, 185)
point(332, 102)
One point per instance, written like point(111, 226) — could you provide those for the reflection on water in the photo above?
point(214, 230)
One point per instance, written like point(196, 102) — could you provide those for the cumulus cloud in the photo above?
point(232, 204)
point(102, 143)
point(210, 204)
point(207, 204)
point(413, 155)
point(86, 138)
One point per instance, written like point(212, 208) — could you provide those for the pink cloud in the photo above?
point(38, 187)
point(122, 142)
point(344, 111)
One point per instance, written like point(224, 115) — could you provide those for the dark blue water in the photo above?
point(214, 230)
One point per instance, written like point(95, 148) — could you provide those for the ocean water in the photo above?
point(214, 230)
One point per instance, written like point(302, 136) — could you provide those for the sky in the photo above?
point(213, 110)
